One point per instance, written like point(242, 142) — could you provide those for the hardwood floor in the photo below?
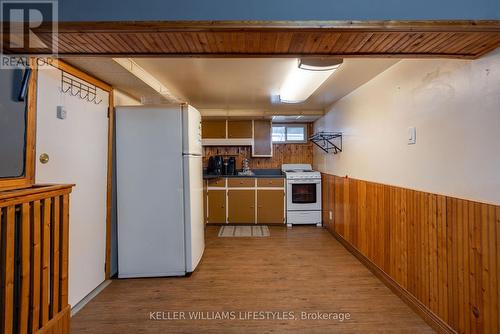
point(299, 270)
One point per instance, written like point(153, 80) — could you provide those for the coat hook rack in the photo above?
point(79, 88)
point(328, 141)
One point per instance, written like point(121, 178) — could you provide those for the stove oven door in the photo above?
point(304, 195)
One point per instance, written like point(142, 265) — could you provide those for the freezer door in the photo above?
point(193, 210)
point(191, 130)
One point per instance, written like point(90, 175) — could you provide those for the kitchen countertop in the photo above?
point(259, 173)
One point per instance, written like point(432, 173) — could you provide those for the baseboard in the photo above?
point(423, 311)
point(81, 304)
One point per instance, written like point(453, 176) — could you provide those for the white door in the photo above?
point(77, 149)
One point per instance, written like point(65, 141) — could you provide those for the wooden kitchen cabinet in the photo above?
point(270, 206)
point(241, 182)
point(245, 200)
point(216, 203)
point(255, 133)
point(241, 206)
point(270, 183)
point(262, 140)
point(213, 129)
point(218, 182)
point(239, 129)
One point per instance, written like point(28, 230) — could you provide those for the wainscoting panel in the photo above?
point(442, 250)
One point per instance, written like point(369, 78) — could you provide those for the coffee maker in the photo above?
point(215, 165)
point(230, 166)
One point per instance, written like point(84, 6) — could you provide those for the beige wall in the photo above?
point(122, 99)
point(455, 107)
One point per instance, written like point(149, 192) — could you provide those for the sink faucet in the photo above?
point(245, 163)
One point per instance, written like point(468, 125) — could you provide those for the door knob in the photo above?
point(44, 158)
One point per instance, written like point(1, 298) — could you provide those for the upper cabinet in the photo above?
point(256, 133)
point(262, 140)
point(239, 129)
point(213, 129)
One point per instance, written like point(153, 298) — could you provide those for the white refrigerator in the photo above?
point(159, 190)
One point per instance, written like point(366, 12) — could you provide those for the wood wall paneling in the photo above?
point(460, 39)
point(443, 251)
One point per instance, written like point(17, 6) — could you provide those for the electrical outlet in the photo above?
point(330, 215)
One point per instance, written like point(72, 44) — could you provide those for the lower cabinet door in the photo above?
point(270, 206)
point(241, 206)
point(216, 203)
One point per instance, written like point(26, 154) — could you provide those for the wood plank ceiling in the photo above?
point(453, 39)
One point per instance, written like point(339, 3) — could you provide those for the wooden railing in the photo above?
point(34, 225)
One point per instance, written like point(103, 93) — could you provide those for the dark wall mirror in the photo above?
point(12, 123)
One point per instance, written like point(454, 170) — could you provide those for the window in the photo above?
point(289, 133)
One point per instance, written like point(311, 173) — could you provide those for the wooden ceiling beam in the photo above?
point(401, 39)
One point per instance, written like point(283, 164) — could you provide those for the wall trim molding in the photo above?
point(92, 294)
point(425, 313)
point(413, 189)
point(340, 25)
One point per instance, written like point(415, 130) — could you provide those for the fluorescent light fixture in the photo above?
point(147, 78)
point(305, 78)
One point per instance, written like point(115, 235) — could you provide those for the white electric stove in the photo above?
point(303, 189)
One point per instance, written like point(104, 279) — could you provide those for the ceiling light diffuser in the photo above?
point(304, 79)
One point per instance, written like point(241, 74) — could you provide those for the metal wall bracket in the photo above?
point(78, 88)
point(328, 141)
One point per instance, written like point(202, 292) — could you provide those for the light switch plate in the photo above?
point(61, 112)
point(412, 135)
point(330, 215)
